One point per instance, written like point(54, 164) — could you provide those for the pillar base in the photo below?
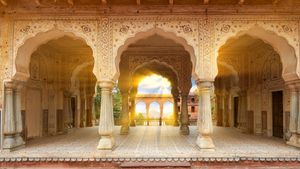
point(9, 142)
point(106, 143)
point(132, 124)
point(176, 123)
point(124, 130)
point(13, 142)
point(19, 140)
point(184, 130)
point(205, 142)
point(294, 140)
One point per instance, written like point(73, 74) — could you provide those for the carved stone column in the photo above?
point(106, 122)
point(226, 109)
point(242, 113)
point(18, 114)
point(125, 113)
point(184, 128)
point(147, 113)
point(9, 126)
point(204, 122)
point(161, 107)
point(175, 107)
point(294, 117)
point(132, 109)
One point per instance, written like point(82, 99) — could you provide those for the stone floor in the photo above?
point(155, 141)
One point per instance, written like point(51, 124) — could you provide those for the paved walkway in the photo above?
point(154, 141)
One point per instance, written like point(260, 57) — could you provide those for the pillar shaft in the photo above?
point(161, 113)
point(243, 112)
point(12, 126)
point(19, 122)
point(298, 115)
point(106, 122)
point(125, 113)
point(175, 110)
point(204, 122)
point(147, 113)
point(9, 118)
point(132, 111)
point(294, 118)
point(226, 110)
point(184, 128)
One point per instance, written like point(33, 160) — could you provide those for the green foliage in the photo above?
point(97, 102)
point(140, 119)
point(117, 101)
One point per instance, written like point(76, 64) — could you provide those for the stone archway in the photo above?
point(165, 34)
point(281, 45)
point(259, 70)
point(30, 44)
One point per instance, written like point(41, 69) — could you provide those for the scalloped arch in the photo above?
point(280, 44)
point(147, 33)
point(31, 44)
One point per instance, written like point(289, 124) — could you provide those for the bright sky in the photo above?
point(156, 84)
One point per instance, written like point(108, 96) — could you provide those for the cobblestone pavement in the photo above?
point(154, 141)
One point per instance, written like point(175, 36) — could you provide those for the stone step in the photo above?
point(155, 164)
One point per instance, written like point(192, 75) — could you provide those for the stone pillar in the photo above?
point(19, 122)
point(204, 121)
point(132, 110)
point(12, 127)
point(9, 127)
point(147, 113)
point(242, 113)
point(175, 106)
point(161, 107)
point(220, 108)
point(175, 110)
point(226, 109)
point(125, 113)
point(106, 122)
point(184, 128)
point(294, 117)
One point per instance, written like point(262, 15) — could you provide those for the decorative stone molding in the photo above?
point(127, 30)
point(282, 35)
point(235, 159)
point(26, 29)
point(201, 36)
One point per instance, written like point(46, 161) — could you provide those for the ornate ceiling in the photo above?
point(61, 57)
point(147, 6)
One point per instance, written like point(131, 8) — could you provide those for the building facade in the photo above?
point(54, 53)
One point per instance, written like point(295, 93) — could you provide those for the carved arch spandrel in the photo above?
point(283, 36)
point(30, 34)
point(130, 31)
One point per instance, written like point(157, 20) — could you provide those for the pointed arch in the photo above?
point(280, 44)
point(31, 44)
point(156, 31)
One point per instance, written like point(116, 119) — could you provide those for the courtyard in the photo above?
point(156, 142)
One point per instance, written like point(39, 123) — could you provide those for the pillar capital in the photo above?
point(106, 84)
point(204, 85)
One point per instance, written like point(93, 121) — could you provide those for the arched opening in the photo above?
point(59, 93)
point(249, 88)
point(151, 56)
point(151, 35)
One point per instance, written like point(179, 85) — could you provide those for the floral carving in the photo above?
point(186, 28)
point(225, 28)
point(25, 29)
point(124, 29)
point(86, 28)
point(286, 28)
